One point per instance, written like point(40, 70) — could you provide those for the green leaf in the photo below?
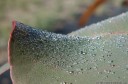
point(118, 24)
point(38, 57)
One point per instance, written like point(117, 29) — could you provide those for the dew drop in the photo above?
point(95, 68)
point(71, 72)
point(107, 76)
point(94, 55)
point(86, 60)
point(90, 68)
point(110, 61)
point(113, 72)
point(113, 65)
point(75, 63)
point(54, 39)
point(81, 69)
point(99, 37)
point(83, 53)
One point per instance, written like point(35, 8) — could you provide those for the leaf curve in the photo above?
point(43, 57)
point(118, 25)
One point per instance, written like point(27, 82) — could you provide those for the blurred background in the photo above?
point(59, 16)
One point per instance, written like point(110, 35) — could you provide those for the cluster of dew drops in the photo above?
point(105, 57)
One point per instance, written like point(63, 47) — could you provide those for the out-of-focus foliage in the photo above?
point(39, 12)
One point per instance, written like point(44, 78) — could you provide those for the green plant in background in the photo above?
point(47, 22)
point(95, 54)
point(35, 13)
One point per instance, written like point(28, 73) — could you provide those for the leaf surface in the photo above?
point(87, 56)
